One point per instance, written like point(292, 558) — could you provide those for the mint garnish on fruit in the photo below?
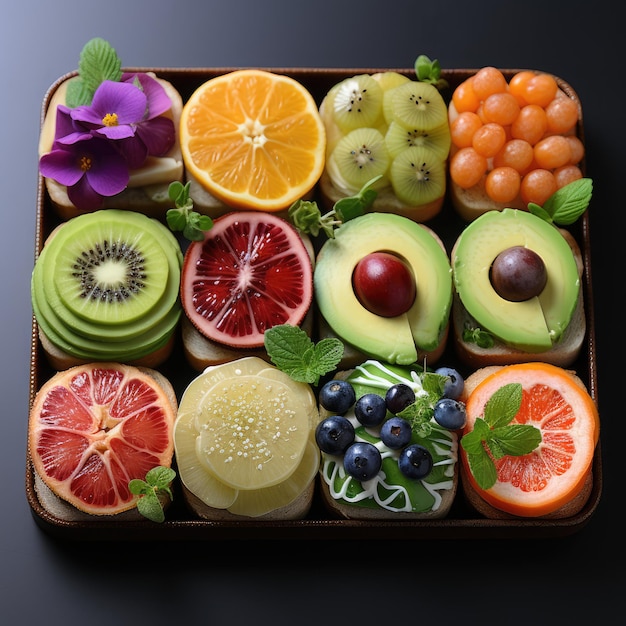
point(158, 480)
point(292, 351)
point(307, 218)
point(565, 205)
point(495, 433)
point(428, 71)
point(183, 218)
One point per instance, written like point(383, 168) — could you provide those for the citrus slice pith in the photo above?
point(555, 401)
point(251, 272)
point(243, 437)
point(95, 427)
point(253, 139)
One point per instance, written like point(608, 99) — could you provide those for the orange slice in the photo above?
point(556, 402)
point(253, 139)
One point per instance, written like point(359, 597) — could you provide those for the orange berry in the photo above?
point(552, 152)
point(503, 184)
point(488, 80)
point(464, 98)
point(467, 167)
point(577, 147)
point(501, 108)
point(562, 115)
point(540, 89)
point(462, 129)
point(566, 174)
point(517, 85)
point(515, 153)
point(537, 186)
point(531, 124)
point(489, 139)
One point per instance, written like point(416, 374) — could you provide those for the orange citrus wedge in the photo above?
point(253, 139)
point(555, 401)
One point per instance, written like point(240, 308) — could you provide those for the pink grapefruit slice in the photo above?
point(93, 428)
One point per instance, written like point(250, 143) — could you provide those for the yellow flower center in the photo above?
point(110, 119)
point(85, 163)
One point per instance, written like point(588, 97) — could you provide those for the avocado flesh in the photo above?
point(533, 325)
point(396, 339)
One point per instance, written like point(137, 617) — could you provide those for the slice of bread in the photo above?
point(563, 353)
point(570, 509)
point(63, 510)
point(444, 491)
point(147, 191)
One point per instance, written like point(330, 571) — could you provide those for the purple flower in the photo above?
point(91, 168)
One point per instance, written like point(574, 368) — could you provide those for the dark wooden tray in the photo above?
point(181, 524)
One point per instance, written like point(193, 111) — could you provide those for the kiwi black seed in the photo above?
point(436, 140)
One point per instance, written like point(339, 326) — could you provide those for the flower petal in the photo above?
point(158, 100)
point(158, 135)
point(84, 197)
point(61, 165)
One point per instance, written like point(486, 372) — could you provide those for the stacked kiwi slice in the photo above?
point(106, 286)
point(387, 125)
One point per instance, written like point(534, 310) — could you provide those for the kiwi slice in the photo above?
point(358, 157)
point(415, 104)
point(416, 177)
point(436, 140)
point(357, 102)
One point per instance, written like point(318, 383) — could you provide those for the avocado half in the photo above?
point(533, 325)
point(397, 339)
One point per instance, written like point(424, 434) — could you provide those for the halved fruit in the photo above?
point(555, 401)
point(253, 139)
point(252, 271)
point(243, 437)
point(93, 428)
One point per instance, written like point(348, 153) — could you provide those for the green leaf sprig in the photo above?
point(306, 216)
point(98, 62)
point(428, 71)
point(292, 351)
point(565, 205)
point(494, 432)
point(158, 481)
point(183, 217)
point(482, 338)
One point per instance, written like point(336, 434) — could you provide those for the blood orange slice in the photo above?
point(95, 427)
point(251, 272)
point(555, 401)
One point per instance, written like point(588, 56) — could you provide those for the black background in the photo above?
point(573, 578)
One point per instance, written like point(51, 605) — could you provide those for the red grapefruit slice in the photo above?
point(251, 272)
point(95, 427)
point(556, 402)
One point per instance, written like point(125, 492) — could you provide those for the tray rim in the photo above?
point(309, 528)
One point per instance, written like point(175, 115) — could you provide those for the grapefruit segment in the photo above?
point(95, 427)
point(555, 401)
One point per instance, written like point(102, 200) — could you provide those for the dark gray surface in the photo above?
point(43, 579)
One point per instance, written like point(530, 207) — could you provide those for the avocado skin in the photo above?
point(533, 325)
point(396, 340)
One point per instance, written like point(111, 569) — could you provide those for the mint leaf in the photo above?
point(567, 204)
point(482, 338)
point(98, 62)
point(292, 351)
point(495, 432)
point(183, 218)
point(503, 405)
point(428, 71)
point(158, 480)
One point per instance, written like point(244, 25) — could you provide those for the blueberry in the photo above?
point(334, 434)
point(450, 413)
point(370, 409)
point(362, 460)
point(453, 387)
point(415, 461)
point(396, 433)
point(337, 396)
point(398, 397)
